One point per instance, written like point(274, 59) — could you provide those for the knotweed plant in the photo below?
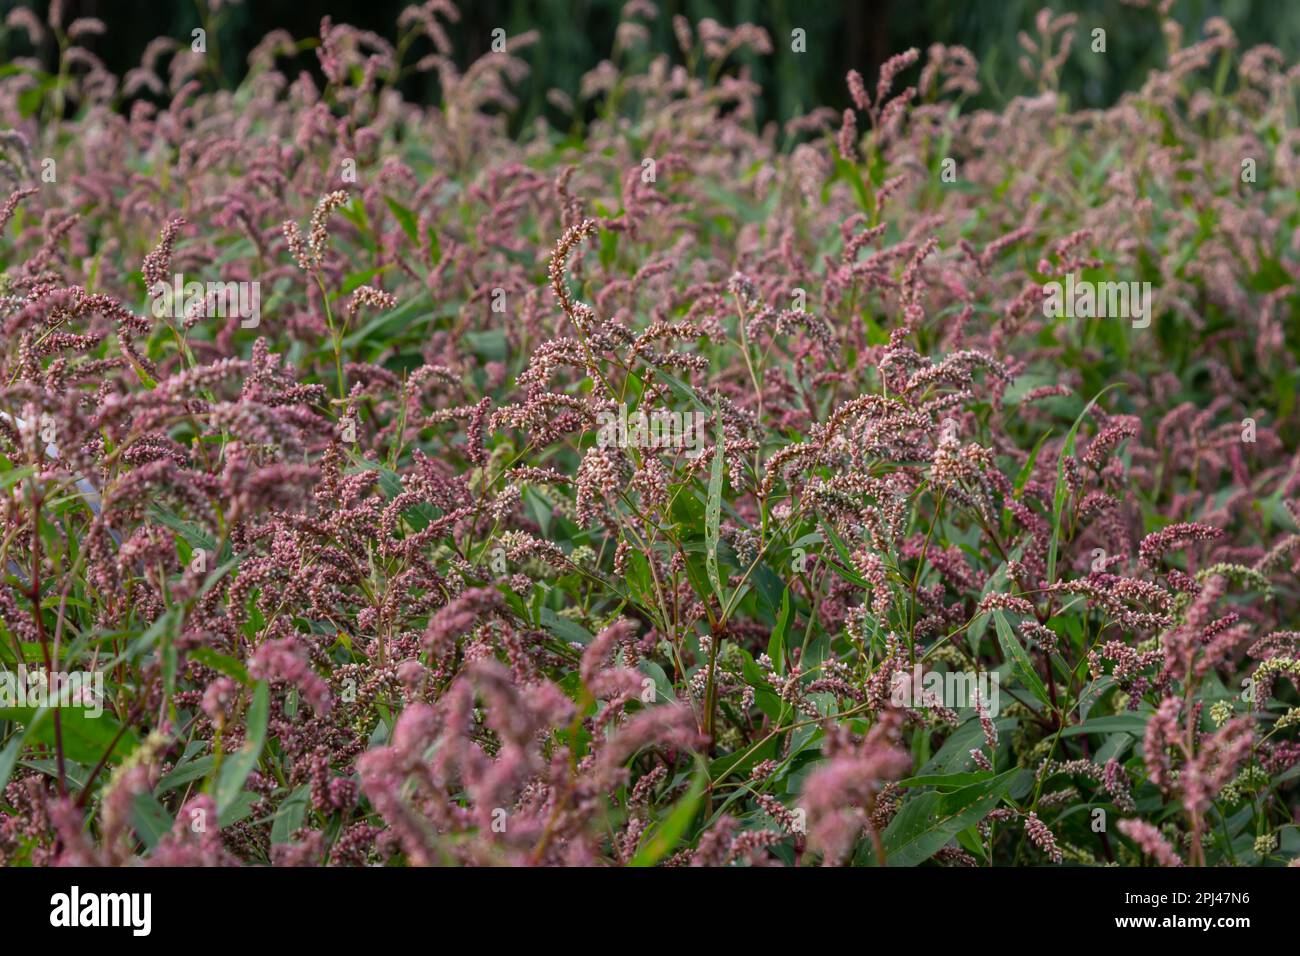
point(370, 581)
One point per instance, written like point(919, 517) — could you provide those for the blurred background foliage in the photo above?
point(578, 34)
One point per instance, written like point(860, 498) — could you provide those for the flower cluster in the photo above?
point(368, 587)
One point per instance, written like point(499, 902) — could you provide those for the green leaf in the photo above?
point(767, 597)
point(1023, 477)
point(490, 344)
point(85, 739)
point(571, 632)
point(30, 99)
point(608, 247)
point(241, 809)
point(663, 683)
point(290, 815)
point(406, 219)
point(390, 483)
point(1015, 651)
point(222, 663)
point(193, 534)
point(946, 781)
point(1133, 723)
point(390, 323)
point(683, 391)
point(954, 755)
point(157, 635)
point(842, 550)
point(742, 764)
point(927, 823)
point(150, 819)
point(669, 833)
point(1286, 775)
point(238, 765)
point(9, 756)
point(776, 643)
point(764, 696)
point(74, 773)
point(14, 475)
point(995, 583)
point(1092, 693)
point(186, 772)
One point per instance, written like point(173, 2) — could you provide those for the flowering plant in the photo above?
point(367, 586)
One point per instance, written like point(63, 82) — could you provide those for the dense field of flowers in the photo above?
point(907, 484)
